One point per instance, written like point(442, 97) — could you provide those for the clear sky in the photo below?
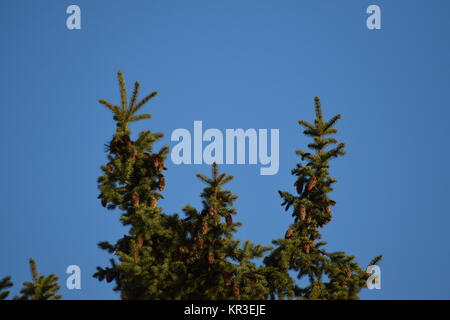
point(231, 64)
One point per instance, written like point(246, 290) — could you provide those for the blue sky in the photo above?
point(231, 64)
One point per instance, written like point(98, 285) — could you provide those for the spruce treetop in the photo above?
point(126, 113)
point(331, 275)
point(42, 287)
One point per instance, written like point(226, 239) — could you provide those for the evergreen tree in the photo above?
point(5, 284)
point(132, 181)
point(165, 257)
point(331, 275)
point(213, 265)
point(42, 287)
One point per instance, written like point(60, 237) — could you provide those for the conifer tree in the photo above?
point(132, 182)
point(166, 257)
point(331, 275)
point(213, 265)
point(42, 287)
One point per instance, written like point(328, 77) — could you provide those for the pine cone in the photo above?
point(210, 257)
point(227, 276)
point(311, 183)
point(140, 242)
point(313, 242)
point(126, 140)
point(348, 273)
point(204, 227)
point(330, 215)
point(236, 290)
point(135, 199)
point(153, 202)
point(162, 183)
point(253, 280)
point(302, 212)
point(306, 248)
point(344, 285)
point(104, 202)
point(212, 210)
point(288, 234)
point(200, 244)
point(157, 162)
point(161, 165)
point(229, 219)
point(135, 154)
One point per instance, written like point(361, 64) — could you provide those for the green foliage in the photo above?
point(132, 182)
point(213, 265)
point(166, 257)
point(5, 283)
point(42, 287)
point(331, 275)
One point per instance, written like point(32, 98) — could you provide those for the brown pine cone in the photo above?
point(311, 183)
point(212, 210)
point(135, 199)
point(210, 257)
point(229, 219)
point(126, 140)
point(348, 273)
point(153, 202)
point(162, 183)
point(306, 248)
point(135, 154)
point(302, 212)
point(200, 244)
point(236, 290)
point(289, 233)
point(227, 276)
point(140, 242)
point(156, 161)
point(204, 227)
